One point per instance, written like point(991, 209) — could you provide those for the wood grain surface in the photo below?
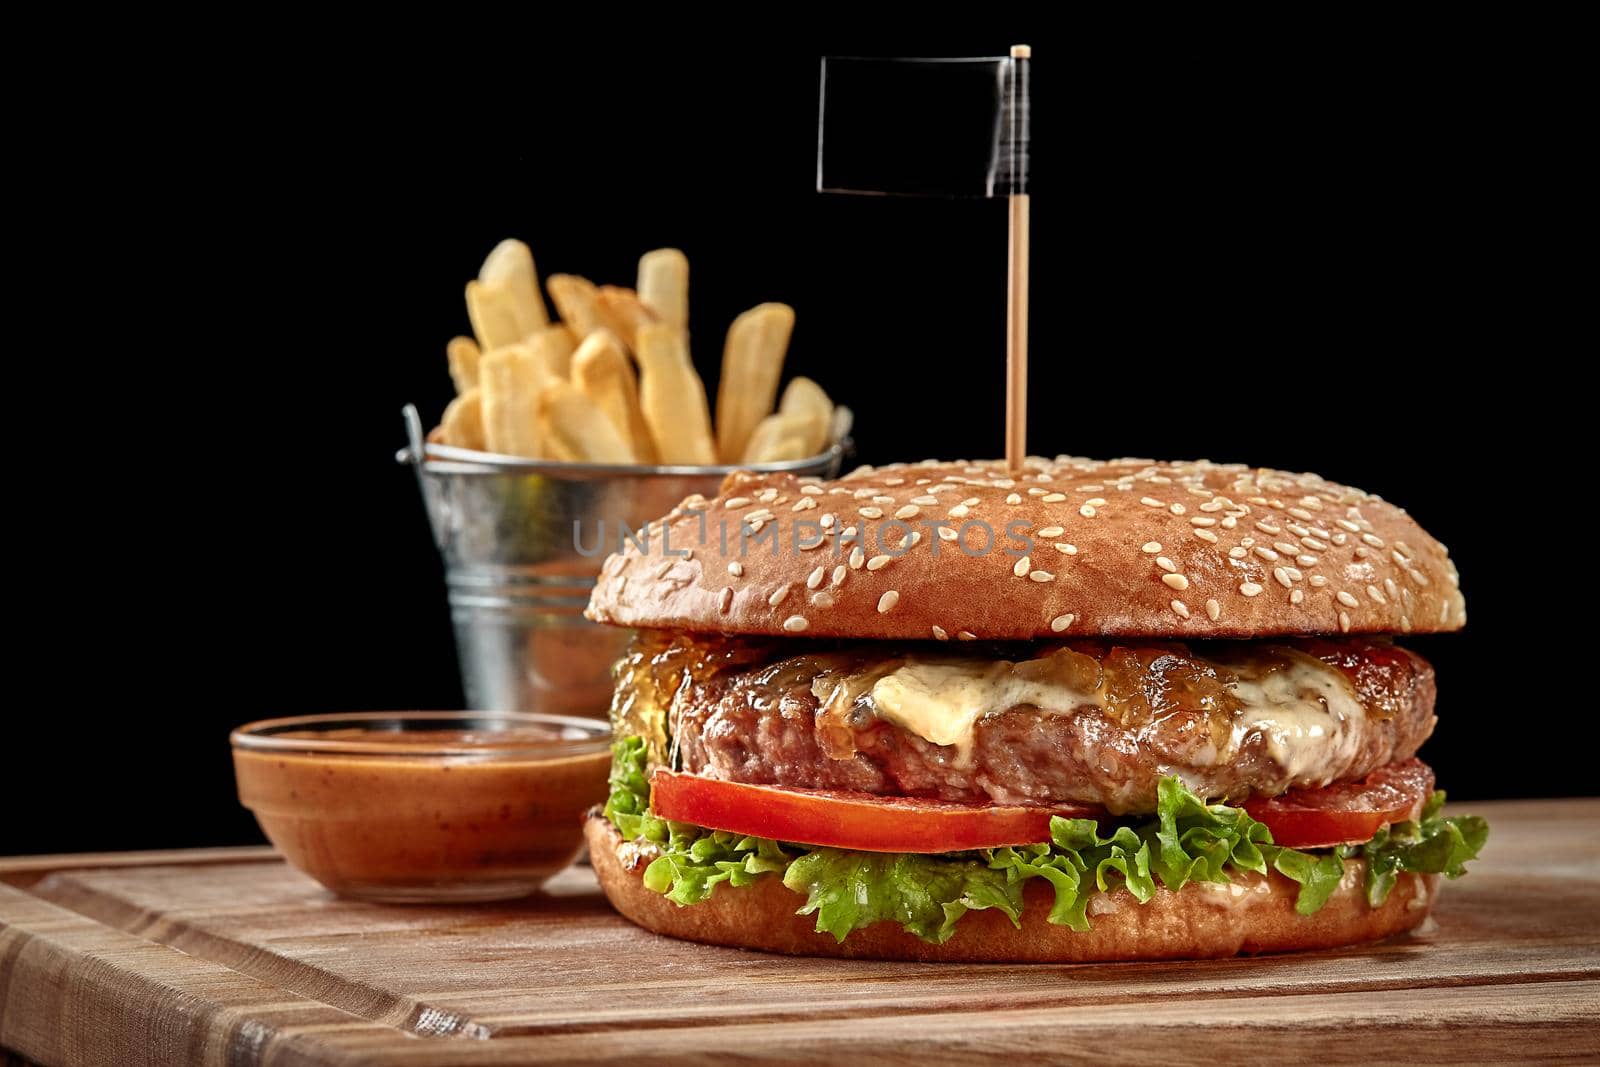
point(230, 957)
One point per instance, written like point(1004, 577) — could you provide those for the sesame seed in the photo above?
point(870, 513)
point(1348, 525)
point(1340, 539)
point(970, 502)
point(1176, 581)
point(1213, 609)
point(1297, 595)
point(1151, 502)
point(822, 600)
point(1022, 567)
point(857, 558)
point(1282, 577)
point(910, 511)
point(1202, 520)
point(1344, 622)
point(877, 563)
point(810, 490)
point(1096, 501)
point(1373, 540)
point(1180, 608)
point(826, 520)
point(887, 601)
point(1266, 553)
point(1051, 531)
point(1318, 581)
point(1302, 514)
point(1206, 535)
point(1418, 577)
point(939, 634)
point(1087, 511)
point(1249, 589)
point(1177, 509)
point(947, 533)
point(661, 571)
point(1066, 549)
point(1297, 529)
point(1267, 528)
point(736, 502)
point(1390, 588)
point(736, 569)
point(779, 594)
point(1013, 498)
point(1151, 547)
point(839, 573)
point(1237, 553)
point(1376, 594)
point(927, 499)
point(1363, 552)
point(760, 515)
point(1061, 622)
point(1306, 561)
point(805, 503)
point(814, 579)
point(1034, 490)
point(795, 623)
point(1286, 548)
point(1166, 564)
point(883, 500)
point(1053, 498)
point(1313, 544)
point(966, 635)
point(1212, 505)
point(1229, 523)
point(894, 481)
point(1347, 599)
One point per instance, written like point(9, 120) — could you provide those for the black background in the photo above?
point(1326, 256)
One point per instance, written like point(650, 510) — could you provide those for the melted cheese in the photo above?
point(1305, 710)
point(942, 702)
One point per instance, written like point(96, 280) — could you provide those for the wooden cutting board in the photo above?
point(229, 956)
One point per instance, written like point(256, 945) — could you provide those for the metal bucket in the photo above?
point(517, 581)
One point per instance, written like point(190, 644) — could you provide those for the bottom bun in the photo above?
point(1254, 913)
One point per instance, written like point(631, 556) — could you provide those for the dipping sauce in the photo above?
point(424, 806)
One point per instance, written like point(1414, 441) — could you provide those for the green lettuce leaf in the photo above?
point(1187, 841)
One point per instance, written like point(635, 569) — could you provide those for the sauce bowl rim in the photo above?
point(259, 735)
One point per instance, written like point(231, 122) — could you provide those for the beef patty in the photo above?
point(1084, 721)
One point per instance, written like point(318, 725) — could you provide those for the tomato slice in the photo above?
point(1346, 812)
point(861, 821)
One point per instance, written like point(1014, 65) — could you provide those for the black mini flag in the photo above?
point(923, 127)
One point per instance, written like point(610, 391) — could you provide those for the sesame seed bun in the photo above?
point(1124, 547)
point(1253, 914)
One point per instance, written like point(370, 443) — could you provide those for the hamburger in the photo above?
point(1091, 711)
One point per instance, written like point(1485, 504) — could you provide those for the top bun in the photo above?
point(1127, 548)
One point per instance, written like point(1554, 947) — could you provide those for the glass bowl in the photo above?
point(424, 806)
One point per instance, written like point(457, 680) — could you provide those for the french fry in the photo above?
point(752, 361)
point(494, 321)
point(509, 267)
point(664, 285)
point(573, 428)
point(839, 427)
point(463, 354)
point(783, 450)
point(799, 427)
point(552, 346)
point(624, 312)
point(672, 397)
point(462, 424)
point(576, 302)
point(511, 380)
point(605, 375)
point(802, 396)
